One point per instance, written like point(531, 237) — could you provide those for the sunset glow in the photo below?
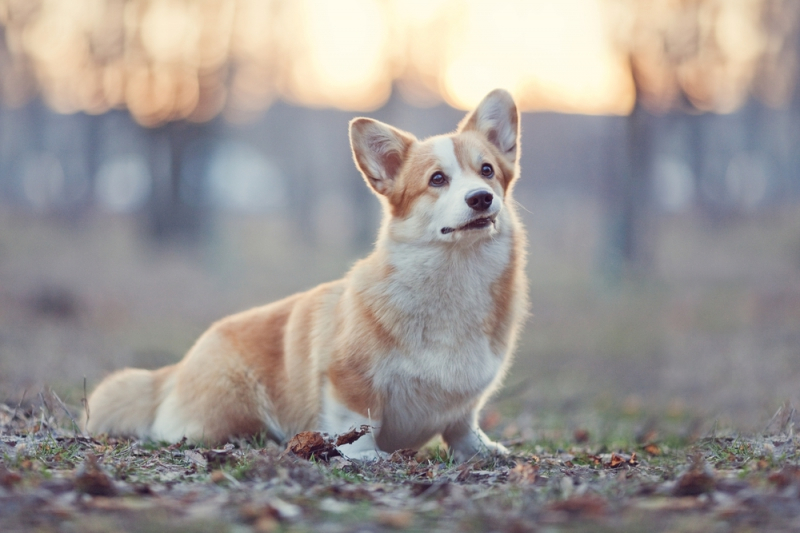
point(550, 55)
point(341, 59)
point(184, 59)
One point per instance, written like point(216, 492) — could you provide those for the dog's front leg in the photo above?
point(466, 439)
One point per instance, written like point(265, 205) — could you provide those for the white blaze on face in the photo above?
point(451, 209)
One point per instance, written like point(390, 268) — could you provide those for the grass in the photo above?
point(609, 480)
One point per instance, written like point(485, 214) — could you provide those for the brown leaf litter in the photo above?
point(313, 444)
point(52, 480)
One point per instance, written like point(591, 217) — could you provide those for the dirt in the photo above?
point(53, 478)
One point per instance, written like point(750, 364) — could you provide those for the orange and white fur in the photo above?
point(412, 341)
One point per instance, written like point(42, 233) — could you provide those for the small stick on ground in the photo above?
point(16, 409)
point(45, 410)
point(69, 415)
point(85, 402)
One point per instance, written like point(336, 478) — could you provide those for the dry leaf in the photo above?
point(697, 480)
point(581, 505)
point(395, 519)
point(309, 444)
point(786, 476)
point(616, 461)
point(464, 472)
point(403, 456)
point(171, 447)
point(92, 479)
point(619, 460)
point(196, 458)
point(353, 435)
point(581, 436)
point(220, 457)
point(652, 449)
point(523, 474)
point(8, 478)
point(218, 476)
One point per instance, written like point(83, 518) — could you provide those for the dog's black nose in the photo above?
point(479, 200)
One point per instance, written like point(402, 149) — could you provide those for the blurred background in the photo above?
point(164, 163)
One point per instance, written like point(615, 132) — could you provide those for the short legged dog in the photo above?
point(412, 341)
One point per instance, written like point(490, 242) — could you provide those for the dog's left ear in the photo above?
point(379, 151)
point(497, 118)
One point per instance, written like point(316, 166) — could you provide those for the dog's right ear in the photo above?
point(379, 151)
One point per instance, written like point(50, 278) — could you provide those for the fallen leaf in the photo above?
point(581, 505)
point(308, 444)
point(523, 474)
point(652, 449)
point(464, 472)
point(218, 458)
point(353, 435)
point(171, 447)
point(695, 481)
point(196, 458)
point(395, 519)
point(91, 479)
point(403, 456)
point(786, 476)
point(218, 476)
point(8, 478)
point(619, 460)
point(581, 436)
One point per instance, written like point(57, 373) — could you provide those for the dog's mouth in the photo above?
point(478, 223)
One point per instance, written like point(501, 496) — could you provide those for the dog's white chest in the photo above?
point(445, 299)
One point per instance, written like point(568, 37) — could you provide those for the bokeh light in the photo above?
point(170, 60)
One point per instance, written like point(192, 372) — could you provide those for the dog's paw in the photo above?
point(495, 448)
point(484, 449)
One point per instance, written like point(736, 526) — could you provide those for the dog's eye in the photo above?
point(438, 179)
point(487, 171)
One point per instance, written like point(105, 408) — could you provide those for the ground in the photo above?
point(683, 368)
point(639, 476)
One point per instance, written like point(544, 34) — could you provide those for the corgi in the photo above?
point(412, 341)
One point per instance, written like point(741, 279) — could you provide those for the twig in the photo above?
point(14, 414)
point(64, 407)
point(782, 420)
point(85, 402)
point(49, 412)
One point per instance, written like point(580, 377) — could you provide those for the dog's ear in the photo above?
point(496, 118)
point(379, 151)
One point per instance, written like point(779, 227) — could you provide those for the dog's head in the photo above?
point(446, 188)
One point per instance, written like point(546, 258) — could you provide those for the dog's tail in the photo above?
point(125, 402)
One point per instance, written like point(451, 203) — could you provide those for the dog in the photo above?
point(412, 341)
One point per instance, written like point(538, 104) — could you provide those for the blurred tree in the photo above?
point(187, 61)
point(689, 57)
